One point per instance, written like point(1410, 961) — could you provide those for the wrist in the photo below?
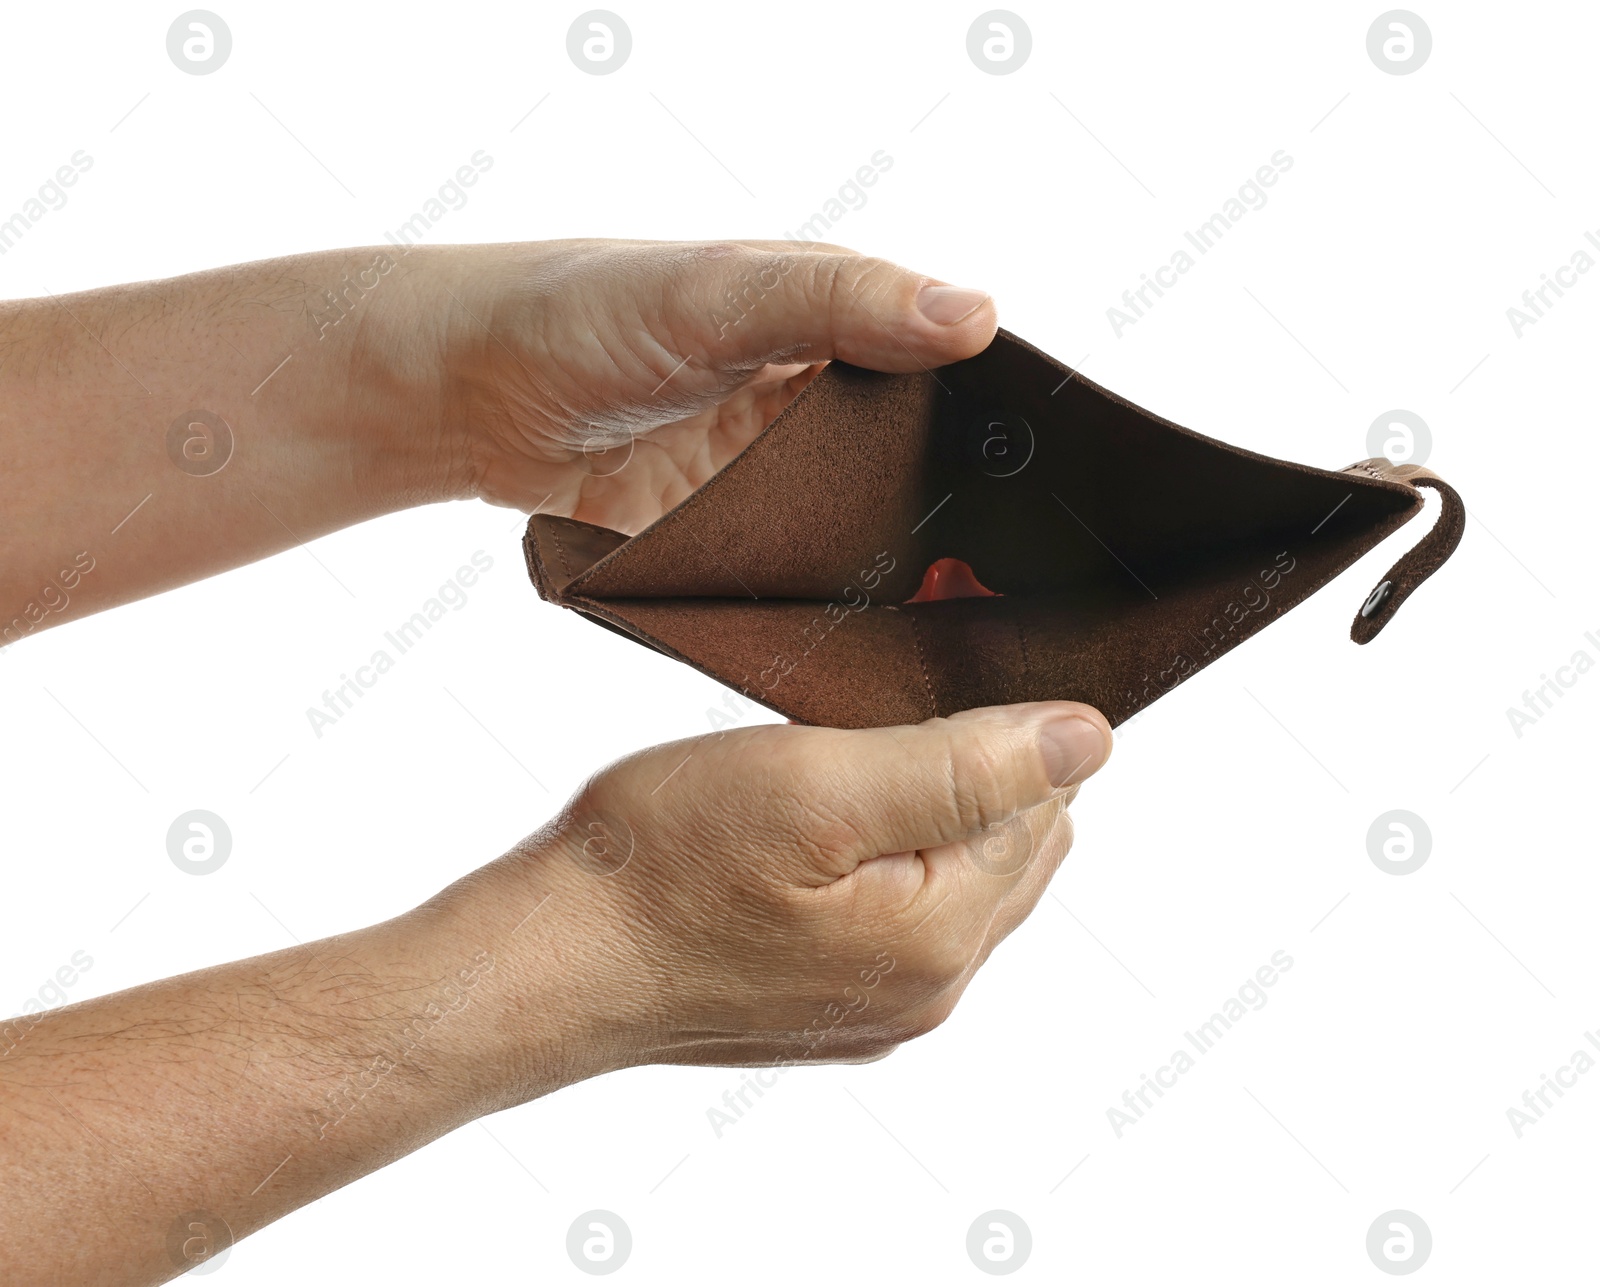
point(462, 336)
point(376, 333)
point(543, 1004)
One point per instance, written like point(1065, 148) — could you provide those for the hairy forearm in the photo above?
point(155, 433)
point(130, 1126)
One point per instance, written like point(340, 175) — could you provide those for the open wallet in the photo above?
point(895, 547)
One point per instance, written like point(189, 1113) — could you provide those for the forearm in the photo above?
point(242, 1092)
point(156, 433)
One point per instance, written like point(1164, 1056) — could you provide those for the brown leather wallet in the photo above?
point(894, 547)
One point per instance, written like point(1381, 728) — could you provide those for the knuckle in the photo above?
point(982, 793)
point(1055, 836)
point(799, 793)
point(838, 279)
point(706, 267)
point(936, 964)
point(595, 794)
point(823, 248)
point(1065, 834)
point(922, 1020)
point(700, 253)
point(822, 834)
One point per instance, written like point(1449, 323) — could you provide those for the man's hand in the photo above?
point(158, 433)
point(768, 895)
point(606, 380)
point(788, 894)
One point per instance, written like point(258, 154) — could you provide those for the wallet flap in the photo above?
point(841, 471)
point(559, 550)
point(1423, 559)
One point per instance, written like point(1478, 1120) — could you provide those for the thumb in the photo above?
point(941, 781)
point(790, 303)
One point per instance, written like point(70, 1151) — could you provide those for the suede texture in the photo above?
point(1126, 553)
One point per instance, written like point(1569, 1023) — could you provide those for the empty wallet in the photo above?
point(895, 547)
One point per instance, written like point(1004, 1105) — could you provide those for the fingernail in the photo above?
point(947, 305)
point(1073, 749)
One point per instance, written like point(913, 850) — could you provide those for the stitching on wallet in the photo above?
point(534, 558)
point(555, 536)
point(922, 661)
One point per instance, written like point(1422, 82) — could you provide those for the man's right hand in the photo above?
point(768, 895)
point(790, 894)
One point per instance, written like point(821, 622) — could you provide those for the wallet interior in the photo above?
point(1123, 552)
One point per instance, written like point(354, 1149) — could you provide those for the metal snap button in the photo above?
point(1379, 596)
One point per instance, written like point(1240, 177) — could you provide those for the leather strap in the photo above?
point(1422, 560)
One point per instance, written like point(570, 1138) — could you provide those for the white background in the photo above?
point(1234, 814)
